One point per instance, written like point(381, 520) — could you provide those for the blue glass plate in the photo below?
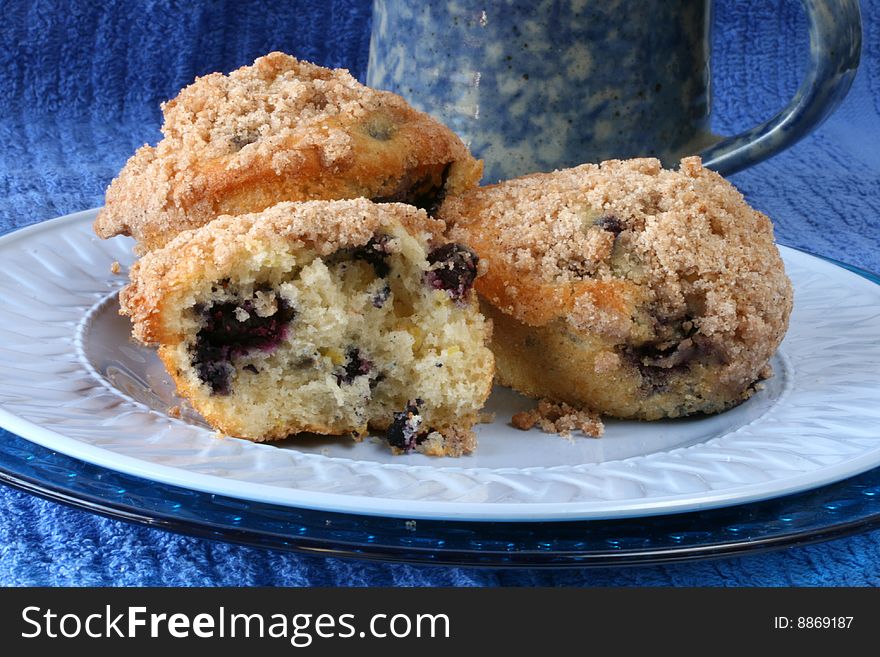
point(833, 511)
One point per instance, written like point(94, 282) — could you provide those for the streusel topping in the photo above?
point(685, 237)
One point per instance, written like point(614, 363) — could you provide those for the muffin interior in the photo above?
point(376, 336)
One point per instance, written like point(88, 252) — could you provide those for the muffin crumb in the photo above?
point(559, 418)
point(486, 417)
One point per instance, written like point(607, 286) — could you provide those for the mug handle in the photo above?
point(835, 47)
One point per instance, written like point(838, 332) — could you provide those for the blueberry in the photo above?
point(223, 337)
point(660, 362)
point(355, 365)
point(381, 296)
point(404, 430)
point(375, 252)
point(610, 223)
point(454, 269)
point(380, 129)
point(213, 368)
point(241, 140)
point(426, 193)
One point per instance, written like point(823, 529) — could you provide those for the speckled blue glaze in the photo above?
point(534, 86)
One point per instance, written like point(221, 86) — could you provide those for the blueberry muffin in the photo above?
point(332, 317)
point(635, 291)
point(280, 130)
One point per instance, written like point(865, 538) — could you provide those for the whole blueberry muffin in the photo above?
point(635, 291)
point(332, 317)
point(280, 130)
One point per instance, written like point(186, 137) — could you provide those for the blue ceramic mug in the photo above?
point(544, 84)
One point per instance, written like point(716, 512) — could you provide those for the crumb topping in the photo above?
point(596, 243)
point(255, 109)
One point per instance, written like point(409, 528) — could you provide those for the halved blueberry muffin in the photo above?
point(332, 317)
point(626, 288)
point(281, 130)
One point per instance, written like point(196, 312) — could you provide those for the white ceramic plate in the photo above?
point(72, 381)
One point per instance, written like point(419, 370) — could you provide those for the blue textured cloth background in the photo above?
point(80, 86)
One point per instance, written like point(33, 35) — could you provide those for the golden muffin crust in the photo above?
point(627, 288)
point(280, 130)
point(332, 317)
